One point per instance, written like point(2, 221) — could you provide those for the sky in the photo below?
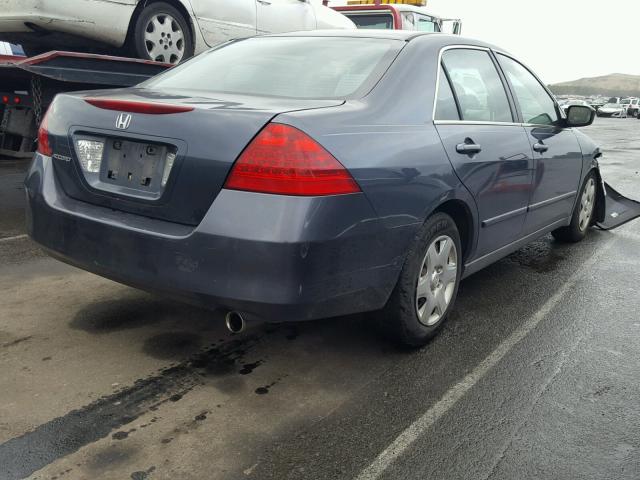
point(560, 40)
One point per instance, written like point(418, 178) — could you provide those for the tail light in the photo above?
point(44, 143)
point(284, 160)
point(137, 107)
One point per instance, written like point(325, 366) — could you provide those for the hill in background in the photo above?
point(614, 85)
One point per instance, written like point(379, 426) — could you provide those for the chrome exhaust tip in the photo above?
point(234, 321)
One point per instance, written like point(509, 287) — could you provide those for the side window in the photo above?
point(535, 103)
point(477, 85)
point(445, 103)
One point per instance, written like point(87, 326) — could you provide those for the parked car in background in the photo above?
point(287, 177)
point(632, 105)
point(398, 15)
point(612, 110)
point(597, 102)
point(166, 31)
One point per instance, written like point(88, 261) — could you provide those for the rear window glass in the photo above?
point(292, 67)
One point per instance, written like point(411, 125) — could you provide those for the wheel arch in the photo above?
point(461, 214)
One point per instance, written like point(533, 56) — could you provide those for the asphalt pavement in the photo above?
point(536, 374)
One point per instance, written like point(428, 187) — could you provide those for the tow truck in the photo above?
point(27, 86)
point(397, 15)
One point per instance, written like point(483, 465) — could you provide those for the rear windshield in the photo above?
point(292, 67)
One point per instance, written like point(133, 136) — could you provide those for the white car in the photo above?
point(166, 31)
point(612, 110)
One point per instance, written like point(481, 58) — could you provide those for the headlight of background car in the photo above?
point(90, 154)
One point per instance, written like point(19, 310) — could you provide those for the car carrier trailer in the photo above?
point(27, 86)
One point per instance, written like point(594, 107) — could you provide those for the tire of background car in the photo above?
point(162, 33)
point(428, 284)
point(582, 217)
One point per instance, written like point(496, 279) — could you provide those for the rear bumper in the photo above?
point(270, 257)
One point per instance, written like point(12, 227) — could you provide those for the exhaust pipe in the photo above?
point(234, 321)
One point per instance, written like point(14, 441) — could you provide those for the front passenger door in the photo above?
point(557, 153)
point(278, 16)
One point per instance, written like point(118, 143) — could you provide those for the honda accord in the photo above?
point(310, 175)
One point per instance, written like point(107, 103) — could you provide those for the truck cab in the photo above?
point(397, 15)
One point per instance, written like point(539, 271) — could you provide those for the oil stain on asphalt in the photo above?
point(24, 455)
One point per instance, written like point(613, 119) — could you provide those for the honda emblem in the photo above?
point(123, 121)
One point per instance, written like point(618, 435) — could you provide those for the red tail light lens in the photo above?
point(286, 161)
point(137, 107)
point(44, 145)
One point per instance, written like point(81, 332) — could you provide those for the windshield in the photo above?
point(377, 21)
point(293, 67)
point(612, 105)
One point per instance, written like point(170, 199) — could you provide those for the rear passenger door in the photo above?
point(557, 153)
point(222, 20)
point(488, 149)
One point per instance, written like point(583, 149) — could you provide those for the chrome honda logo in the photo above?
point(123, 121)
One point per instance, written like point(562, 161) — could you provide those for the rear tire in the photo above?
point(161, 33)
point(428, 285)
point(582, 217)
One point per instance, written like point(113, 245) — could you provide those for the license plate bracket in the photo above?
point(133, 165)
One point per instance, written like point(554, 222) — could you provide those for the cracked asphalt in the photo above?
point(536, 375)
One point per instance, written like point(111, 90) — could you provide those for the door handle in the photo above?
point(264, 2)
point(468, 148)
point(540, 147)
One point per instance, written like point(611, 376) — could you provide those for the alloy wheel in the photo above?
point(437, 280)
point(164, 39)
point(587, 201)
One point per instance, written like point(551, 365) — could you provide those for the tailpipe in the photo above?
point(235, 322)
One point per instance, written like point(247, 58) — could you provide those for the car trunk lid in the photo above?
point(168, 165)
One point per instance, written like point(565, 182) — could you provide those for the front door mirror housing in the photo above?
point(580, 116)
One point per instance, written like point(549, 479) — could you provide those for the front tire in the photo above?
point(162, 34)
point(428, 285)
point(582, 217)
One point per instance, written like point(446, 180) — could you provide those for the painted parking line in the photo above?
point(419, 427)
point(14, 238)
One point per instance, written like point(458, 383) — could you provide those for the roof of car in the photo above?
point(357, 33)
point(443, 39)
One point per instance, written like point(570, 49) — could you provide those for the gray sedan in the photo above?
point(309, 175)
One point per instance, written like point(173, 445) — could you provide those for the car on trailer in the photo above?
point(166, 31)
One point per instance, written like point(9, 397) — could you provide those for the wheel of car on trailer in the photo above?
point(161, 33)
point(428, 284)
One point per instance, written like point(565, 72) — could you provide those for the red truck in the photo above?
point(397, 15)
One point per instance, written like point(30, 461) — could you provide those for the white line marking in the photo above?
point(10, 239)
point(404, 441)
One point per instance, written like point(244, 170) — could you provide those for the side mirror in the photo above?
point(580, 116)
